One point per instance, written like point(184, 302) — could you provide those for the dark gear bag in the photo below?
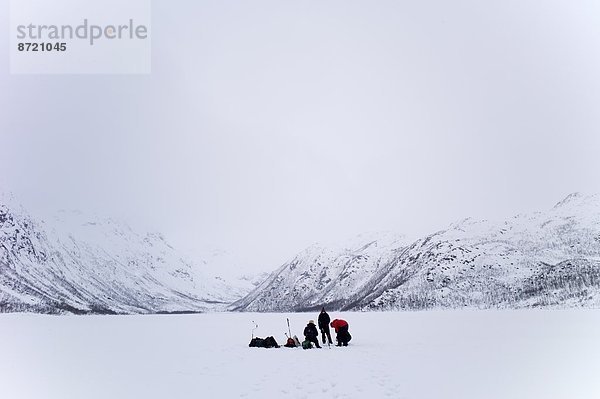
point(257, 343)
point(268, 342)
point(271, 343)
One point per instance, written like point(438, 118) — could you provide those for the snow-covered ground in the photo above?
point(451, 354)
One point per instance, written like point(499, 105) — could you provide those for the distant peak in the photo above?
point(7, 198)
point(9, 202)
point(575, 198)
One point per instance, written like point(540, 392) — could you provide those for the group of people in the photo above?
point(340, 326)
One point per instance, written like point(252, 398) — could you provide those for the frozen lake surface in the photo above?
point(450, 354)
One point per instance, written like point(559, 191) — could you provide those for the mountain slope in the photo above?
point(81, 265)
point(549, 258)
point(323, 275)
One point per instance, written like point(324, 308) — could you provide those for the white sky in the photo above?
point(268, 125)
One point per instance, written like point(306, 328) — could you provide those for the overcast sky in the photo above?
point(268, 125)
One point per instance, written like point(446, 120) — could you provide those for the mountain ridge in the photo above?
point(75, 264)
point(472, 263)
point(78, 264)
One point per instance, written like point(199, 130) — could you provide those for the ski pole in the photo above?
point(255, 327)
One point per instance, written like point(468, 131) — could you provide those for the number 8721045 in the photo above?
point(47, 47)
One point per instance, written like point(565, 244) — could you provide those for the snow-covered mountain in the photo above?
point(74, 263)
point(324, 275)
point(543, 259)
point(79, 264)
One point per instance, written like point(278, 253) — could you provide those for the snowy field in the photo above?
point(453, 354)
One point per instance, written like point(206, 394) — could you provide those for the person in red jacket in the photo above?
point(341, 329)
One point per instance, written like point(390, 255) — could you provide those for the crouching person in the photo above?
point(311, 334)
point(341, 329)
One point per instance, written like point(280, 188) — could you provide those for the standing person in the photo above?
point(311, 334)
point(341, 329)
point(324, 320)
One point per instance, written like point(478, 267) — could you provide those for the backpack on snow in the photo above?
point(257, 343)
point(271, 343)
point(306, 344)
point(290, 343)
point(268, 342)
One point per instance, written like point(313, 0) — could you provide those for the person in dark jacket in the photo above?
point(324, 320)
point(341, 329)
point(311, 333)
